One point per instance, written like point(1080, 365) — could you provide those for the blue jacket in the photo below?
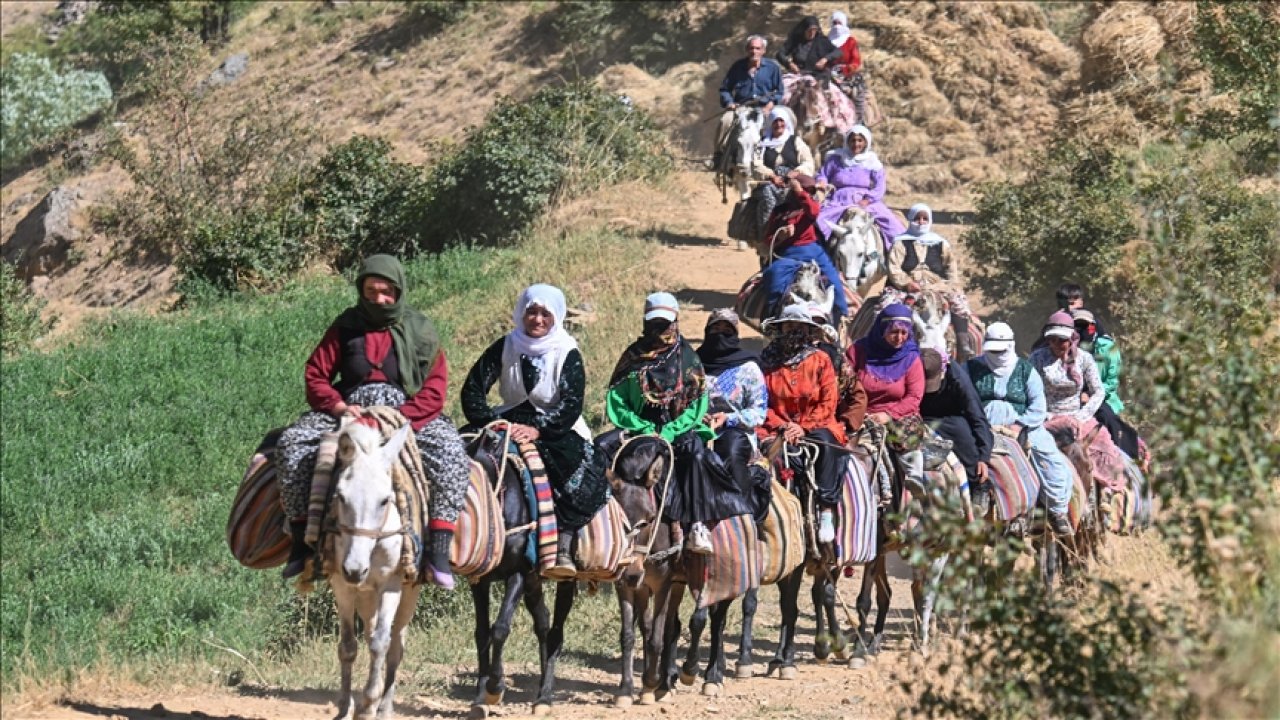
point(740, 87)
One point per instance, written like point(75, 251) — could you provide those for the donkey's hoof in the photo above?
point(622, 701)
point(743, 672)
point(857, 663)
point(711, 689)
point(493, 698)
point(687, 678)
point(541, 710)
point(648, 697)
point(787, 672)
point(478, 712)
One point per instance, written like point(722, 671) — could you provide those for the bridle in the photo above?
point(376, 535)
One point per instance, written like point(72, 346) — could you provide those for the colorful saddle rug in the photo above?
point(732, 568)
point(480, 531)
point(752, 301)
point(604, 545)
point(858, 513)
point(256, 526)
point(782, 538)
point(1016, 485)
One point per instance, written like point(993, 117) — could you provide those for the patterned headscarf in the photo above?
point(668, 370)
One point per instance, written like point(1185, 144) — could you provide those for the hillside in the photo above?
point(969, 91)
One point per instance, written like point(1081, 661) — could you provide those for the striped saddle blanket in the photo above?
point(858, 513)
point(256, 526)
point(480, 530)
point(732, 568)
point(782, 542)
point(604, 545)
point(1015, 482)
point(752, 301)
point(1131, 508)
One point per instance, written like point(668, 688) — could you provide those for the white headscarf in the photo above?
point(866, 158)
point(921, 233)
point(1001, 363)
point(769, 140)
point(839, 29)
point(547, 353)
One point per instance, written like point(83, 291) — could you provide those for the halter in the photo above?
point(648, 523)
point(376, 535)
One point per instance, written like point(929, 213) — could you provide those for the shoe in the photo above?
point(1061, 525)
point(299, 552)
point(564, 569)
point(826, 527)
point(742, 245)
point(699, 541)
point(436, 569)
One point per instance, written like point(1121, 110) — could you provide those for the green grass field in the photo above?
point(124, 446)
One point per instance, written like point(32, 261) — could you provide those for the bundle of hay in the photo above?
point(1122, 42)
point(1099, 118)
point(1178, 20)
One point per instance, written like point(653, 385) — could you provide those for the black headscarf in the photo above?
point(413, 336)
point(721, 351)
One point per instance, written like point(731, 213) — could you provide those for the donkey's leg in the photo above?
point(864, 597)
point(496, 687)
point(821, 641)
point(884, 596)
point(385, 603)
point(554, 642)
point(746, 651)
point(715, 650)
point(627, 638)
point(344, 599)
point(697, 623)
point(670, 638)
point(839, 643)
point(399, 629)
point(784, 660)
point(483, 636)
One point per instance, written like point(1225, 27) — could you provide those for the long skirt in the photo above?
point(734, 446)
point(444, 457)
point(846, 197)
point(702, 488)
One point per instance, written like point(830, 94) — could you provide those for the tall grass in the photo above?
point(124, 447)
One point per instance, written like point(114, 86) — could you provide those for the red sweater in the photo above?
point(900, 399)
point(804, 219)
point(851, 60)
point(322, 369)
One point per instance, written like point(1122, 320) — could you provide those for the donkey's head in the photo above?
point(368, 540)
point(637, 477)
point(933, 318)
point(858, 253)
point(742, 144)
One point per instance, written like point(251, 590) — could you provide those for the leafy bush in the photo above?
point(1240, 44)
point(20, 323)
point(359, 201)
point(39, 103)
point(528, 153)
point(445, 12)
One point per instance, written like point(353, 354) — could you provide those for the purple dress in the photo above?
point(852, 183)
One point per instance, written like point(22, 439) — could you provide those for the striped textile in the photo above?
point(782, 541)
point(256, 526)
point(1079, 499)
point(545, 510)
point(603, 545)
point(480, 532)
point(856, 528)
point(751, 302)
point(321, 486)
point(732, 568)
point(1016, 485)
point(1142, 501)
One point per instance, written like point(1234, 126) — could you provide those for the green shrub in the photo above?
point(359, 201)
point(445, 12)
point(1240, 44)
point(561, 141)
point(40, 103)
point(20, 323)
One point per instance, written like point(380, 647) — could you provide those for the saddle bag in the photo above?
point(742, 223)
point(480, 532)
point(604, 545)
point(256, 526)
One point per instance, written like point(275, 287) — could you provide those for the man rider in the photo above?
point(951, 406)
point(751, 80)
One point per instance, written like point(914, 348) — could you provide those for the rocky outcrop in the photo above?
point(40, 241)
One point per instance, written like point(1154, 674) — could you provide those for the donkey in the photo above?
point(523, 581)
point(740, 150)
point(366, 548)
point(859, 254)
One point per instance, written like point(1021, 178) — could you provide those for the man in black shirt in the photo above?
point(952, 408)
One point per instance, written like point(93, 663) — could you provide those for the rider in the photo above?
point(794, 237)
point(855, 174)
point(659, 386)
point(738, 402)
point(381, 351)
point(753, 80)
point(951, 407)
point(850, 62)
point(1013, 398)
point(852, 406)
point(780, 156)
point(807, 50)
point(803, 398)
point(887, 363)
point(806, 55)
point(921, 258)
point(1107, 356)
point(542, 382)
point(1074, 392)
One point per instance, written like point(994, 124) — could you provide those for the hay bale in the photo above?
point(958, 146)
point(1121, 43)
point(900, 73)
point(912, 147)
point(1178, 20)
point(1099, 118)
point(941, 125)
point(1027, 16)
point(1044, 49)
point(976, 169)
point(934, 179)
point(928, 105)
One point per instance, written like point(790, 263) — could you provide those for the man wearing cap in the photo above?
point(951, 407)
point(659, 387)
point(1013, 399)
point(793, 230)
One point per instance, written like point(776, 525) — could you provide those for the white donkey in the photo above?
point(741, 153)
point(859, 254)
point(367, 578)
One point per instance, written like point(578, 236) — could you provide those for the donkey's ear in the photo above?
point(346, 449)
point(391, 450)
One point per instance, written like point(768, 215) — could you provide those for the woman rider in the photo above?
point(795, 238)
point(542, 383)
point(379, 352)
point(923, 259)
point(1012, 395)
point(1107, 356)
point(887, 363)
point(1073, 392)
point(803, 399)
point(659, 387)
point(858, 180)
point(738, 402)
point(808, 53)
point(780, 156)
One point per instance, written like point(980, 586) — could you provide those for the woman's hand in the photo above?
point(821, 64)
point(344, 409)
point(792, 433)
point(524, 433)
point(793, 67)
point(786, 231)
point(880, 418)
point(864, 203)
